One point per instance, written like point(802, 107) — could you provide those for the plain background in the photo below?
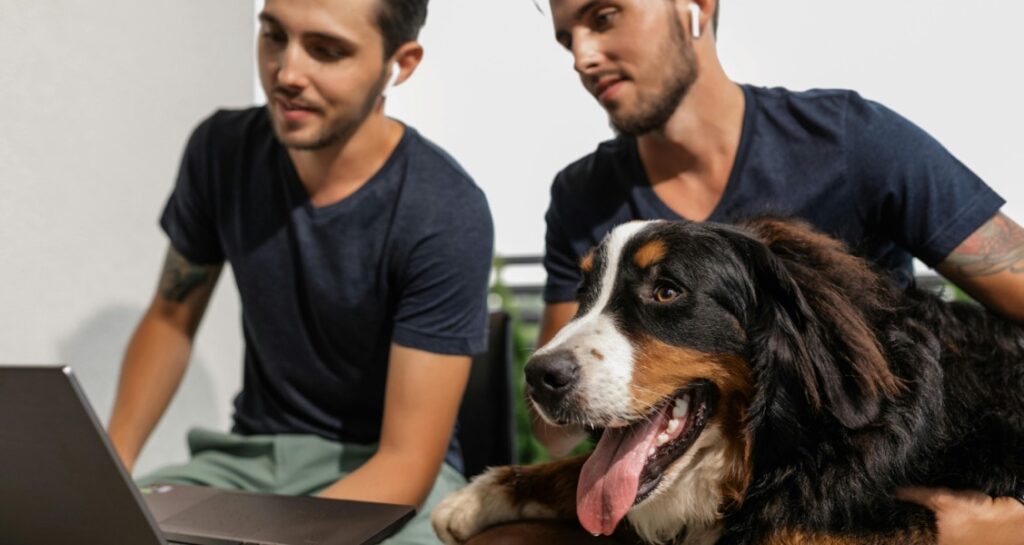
point(98, 97)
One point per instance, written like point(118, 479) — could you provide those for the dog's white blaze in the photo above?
point(604, 354)
point(689, 495)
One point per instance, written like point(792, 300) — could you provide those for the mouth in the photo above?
point(606, 88)
point(629, 462)
point(294, 111)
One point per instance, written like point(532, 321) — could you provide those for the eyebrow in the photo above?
point(563, 36)
point(344, 42)
point(268, 18)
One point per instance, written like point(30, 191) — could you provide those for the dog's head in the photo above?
point(693, 342)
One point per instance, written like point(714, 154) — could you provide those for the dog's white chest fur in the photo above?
point(688, 497)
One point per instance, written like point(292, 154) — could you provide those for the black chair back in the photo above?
point(487, 430)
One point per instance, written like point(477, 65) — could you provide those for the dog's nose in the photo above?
point(550, 376)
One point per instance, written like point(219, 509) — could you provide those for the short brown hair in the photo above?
point(400, 21)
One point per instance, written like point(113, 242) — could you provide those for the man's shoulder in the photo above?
point(602, 167)
point(821, 97)
point(435, 185)
point(435, 167)
point(846, 109)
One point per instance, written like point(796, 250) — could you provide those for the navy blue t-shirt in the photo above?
point(326, 290)
point(851, 167)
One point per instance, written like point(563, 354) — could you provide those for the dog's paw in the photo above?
point(480, 505)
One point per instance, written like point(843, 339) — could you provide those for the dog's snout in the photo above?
point(550, 376)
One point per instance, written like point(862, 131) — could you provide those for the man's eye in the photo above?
point(603, 18)
point(328, 53)
point(274, 36)
point(665, 293)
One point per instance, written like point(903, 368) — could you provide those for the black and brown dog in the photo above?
point(758, 384)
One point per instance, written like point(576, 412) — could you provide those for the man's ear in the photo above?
point(407, 58)
point(706, 15)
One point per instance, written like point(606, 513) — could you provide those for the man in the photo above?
point(361, 252)
point(694, 145)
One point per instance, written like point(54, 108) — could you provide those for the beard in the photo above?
point(653, 109)
point(335, 128)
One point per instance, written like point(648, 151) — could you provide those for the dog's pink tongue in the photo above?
point(610, 477)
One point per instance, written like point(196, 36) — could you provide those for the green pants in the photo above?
point(291, 465)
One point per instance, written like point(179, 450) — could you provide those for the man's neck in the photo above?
point(689, 161)
point(334, 172)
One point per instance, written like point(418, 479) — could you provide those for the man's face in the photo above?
point(321, 66)
point(633, 55)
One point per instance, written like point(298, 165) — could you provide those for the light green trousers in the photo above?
point(291, 465)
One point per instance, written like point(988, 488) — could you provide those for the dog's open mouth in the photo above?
point(628, 462)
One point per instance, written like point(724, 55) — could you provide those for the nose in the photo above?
point(585, 53)
point(551, 376)
point(291, 70)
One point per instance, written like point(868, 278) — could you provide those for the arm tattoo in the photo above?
point(995, 247)
point(180, 278)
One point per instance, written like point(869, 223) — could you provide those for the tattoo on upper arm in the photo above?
point(996, 246)
point(180, 277)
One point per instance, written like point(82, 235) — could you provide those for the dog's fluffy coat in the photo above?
point(827, 390)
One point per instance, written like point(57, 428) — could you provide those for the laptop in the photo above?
point(61, 483)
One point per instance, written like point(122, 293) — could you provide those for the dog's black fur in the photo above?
point(861, 388)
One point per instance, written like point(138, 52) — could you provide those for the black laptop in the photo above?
point(60, 483)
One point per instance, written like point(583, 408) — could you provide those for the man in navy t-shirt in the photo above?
point(694, 145)
point(361, 252)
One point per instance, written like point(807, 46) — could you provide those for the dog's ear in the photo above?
point(813, 348)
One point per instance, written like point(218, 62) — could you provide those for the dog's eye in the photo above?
point(665, 293)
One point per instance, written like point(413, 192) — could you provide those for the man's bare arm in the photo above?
point(421, 402)
point(158, 352)
point(989, 265)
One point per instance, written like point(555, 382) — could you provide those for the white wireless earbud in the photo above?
point(695, 20)
point(395, 71)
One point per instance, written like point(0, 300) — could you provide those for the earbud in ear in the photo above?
point(695, 20)
point(395, 71)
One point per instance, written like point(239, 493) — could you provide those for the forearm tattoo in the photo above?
point(180, 278)
point(995, 247)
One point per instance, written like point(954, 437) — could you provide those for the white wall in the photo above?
point(98, 98)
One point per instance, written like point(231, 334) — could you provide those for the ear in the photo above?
point(813, 349)
point(407, 57)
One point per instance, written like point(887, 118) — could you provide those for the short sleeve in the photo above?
point(189, 217)
point(923, 198)
point(561, 262)
point(443, 300)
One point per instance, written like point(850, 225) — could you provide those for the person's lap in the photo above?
point(290, 465)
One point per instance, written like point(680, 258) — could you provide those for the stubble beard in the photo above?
point(337, 129)
point(654, 110)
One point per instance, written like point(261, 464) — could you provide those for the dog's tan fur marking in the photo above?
point(587, 263)
point(661, 369)
point(650, 253)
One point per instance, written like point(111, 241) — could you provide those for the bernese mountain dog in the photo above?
point(758, 384)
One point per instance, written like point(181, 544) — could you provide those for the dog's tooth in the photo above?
point(673, 425)
point(662, 438)
point(681, 407)
point(651, 452)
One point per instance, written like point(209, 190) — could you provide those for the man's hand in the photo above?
point(967, 517)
